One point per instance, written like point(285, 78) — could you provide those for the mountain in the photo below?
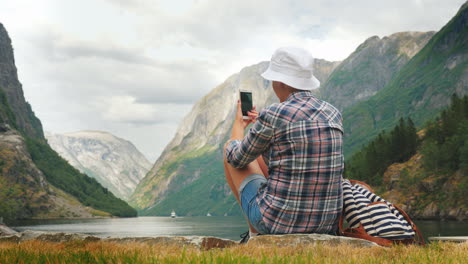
point(188, 176)
point(420, 89)
point(113, 162)
point(34, 180)
point(24, 118)
point(370, 67)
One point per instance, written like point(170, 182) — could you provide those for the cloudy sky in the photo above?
point(135, 67)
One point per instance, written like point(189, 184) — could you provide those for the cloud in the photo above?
point(135, 67)
point(126, 109)
point(87, 69)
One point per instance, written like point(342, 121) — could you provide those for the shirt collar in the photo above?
point(299, 94)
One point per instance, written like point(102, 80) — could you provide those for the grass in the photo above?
point(106, 252)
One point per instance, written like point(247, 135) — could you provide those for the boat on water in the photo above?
point(208, 214)
point(173, 214)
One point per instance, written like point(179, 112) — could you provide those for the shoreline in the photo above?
point(35, 247)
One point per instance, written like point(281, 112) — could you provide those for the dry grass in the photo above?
point(106, 252)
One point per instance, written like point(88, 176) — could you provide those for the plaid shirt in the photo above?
point(301, 142)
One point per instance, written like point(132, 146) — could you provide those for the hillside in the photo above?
point(24, 190)
point(426, 195)
point(370, 67)
point(34, 180)
point(426, 172)
point(113, 162)
point(419, 90)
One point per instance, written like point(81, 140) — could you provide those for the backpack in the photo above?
point(372, 218)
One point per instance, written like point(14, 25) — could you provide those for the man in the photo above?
point(286, 172)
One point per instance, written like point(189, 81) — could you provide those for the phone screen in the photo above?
point(246, 102)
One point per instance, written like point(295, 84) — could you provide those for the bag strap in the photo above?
point(363, 184)
point(361, 233)
point(420, 238)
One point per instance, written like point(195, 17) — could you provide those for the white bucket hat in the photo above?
point(294, 67)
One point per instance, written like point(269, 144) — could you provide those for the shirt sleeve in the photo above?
point(239, 153)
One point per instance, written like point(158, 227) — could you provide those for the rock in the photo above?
point(213, 242)
point(428, 185)
point(56, 236)
point(303, 239)
point(4, 127)
point(6, 231)
point(430, 211)
point(11, 239)
point(200, 242)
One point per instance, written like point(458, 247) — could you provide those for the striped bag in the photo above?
point(370, 217)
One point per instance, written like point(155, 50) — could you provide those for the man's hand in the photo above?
point(253, 114)
point(240, 124)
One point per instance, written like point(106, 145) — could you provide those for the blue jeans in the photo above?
point(248, 194)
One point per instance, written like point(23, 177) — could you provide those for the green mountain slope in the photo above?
point(370, 67)
point(426, 173)
point(206, 193)
point(419, 90)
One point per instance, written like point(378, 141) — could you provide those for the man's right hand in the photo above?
point(253, 114)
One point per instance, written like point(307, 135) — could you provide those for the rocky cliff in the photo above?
point(202, 133)
point(426, 195)
point(371, 66)
point(112, 161)
point(24, 118)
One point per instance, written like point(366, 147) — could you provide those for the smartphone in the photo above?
point(246, 102)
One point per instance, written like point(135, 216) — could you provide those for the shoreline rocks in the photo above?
point(6, 231)
point(200, 242)
point(303, 239)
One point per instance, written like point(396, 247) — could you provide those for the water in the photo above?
point(442, 228)
point(229, 227)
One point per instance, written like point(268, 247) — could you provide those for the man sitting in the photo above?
point(286, 172)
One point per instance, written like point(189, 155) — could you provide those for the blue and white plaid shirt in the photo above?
point(301, 142)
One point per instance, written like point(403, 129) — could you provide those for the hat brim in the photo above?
point(295, 82)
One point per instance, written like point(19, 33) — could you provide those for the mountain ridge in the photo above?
point(370, 67)
point(419, 90)
point(114, 162)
